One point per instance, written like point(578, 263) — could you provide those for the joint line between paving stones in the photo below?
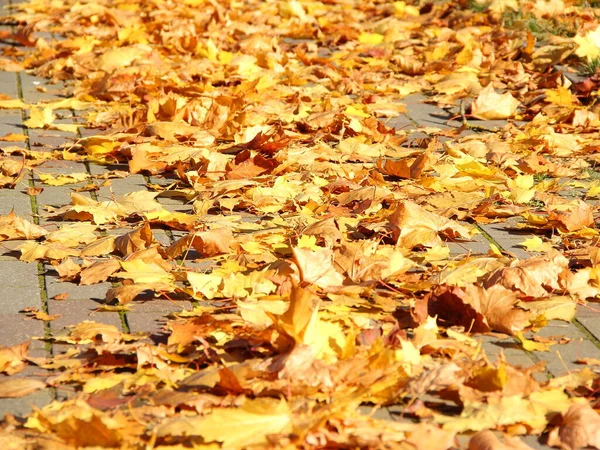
point(36, 219)
point(413, 121)
point(122, 314)
point(489, 238)
point(587, 333)
point(532, 356)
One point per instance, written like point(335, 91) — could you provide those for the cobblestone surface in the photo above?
point(30, 285)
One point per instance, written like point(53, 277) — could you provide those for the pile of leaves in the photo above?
point(316, 250)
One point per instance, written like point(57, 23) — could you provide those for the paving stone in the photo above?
point(11, 121)
point(60, 168)
point(121, 186)
point(376, 412)
point(145, 322)
point(15, 199)
point(513, 354)
point(479, 245)
point(20, 288)
point(48, 140)
point(402, 122)
point(30, 83)
point(589, 325)
point(508, 237)
point(16, 329)
point(8, 81)
point(20, 407)
point(73, 312)
point(561, 358)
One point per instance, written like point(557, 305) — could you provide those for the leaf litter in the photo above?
point(317, 247)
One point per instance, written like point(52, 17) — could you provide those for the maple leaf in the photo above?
point(240, 427)
point(492, 106)
point(536, 277)
point(487, 440)
point(417, 226)
point(78, 424)
point(580, 428)
point(135, 240)
point(13, 227)
point(13, 359)
point(478, 309)
point(19, 387)
point(317, 267)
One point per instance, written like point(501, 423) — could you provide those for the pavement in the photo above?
point(36, 285)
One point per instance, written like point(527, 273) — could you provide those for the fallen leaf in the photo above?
point(490, 105)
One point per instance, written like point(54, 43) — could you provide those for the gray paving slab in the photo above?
point(48, 140)
point(20, 288)
point(121, 186)
point(31, 94)
point(478, 245)
point(20, 407)
point(508, 236)
point(11, 122)
point(561, 359)
point(15, 199)
point(402, 122)
point(8, 81)
point(16, 329)
point(376, 412)
point(74, 311)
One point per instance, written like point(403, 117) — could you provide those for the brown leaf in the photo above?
point(35, 313)
point(61, 297)
point(103, 246)
point(68, 270)
point(476, 309)
point(402, 168)
point(497, 304)
point(13, 227)
point(98, 272)
point(19, 387)
point(487, 440)
point(13, 359)
point(535, 277)
point(207, 243)
point(247, 167)
point(135, 240)
point(317, 267)
point(415, 226)
point(578, 216)
point(580, 428)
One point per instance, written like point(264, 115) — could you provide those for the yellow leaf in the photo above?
point(13, 104)
point(67, 127)
point(521, 188)
point(402, 9)
point(61, 180)
point(206, 284)
point(437, 253)
point(594, 190)
point(532, 346)
point(588, 45)
point(98, 146)
point(104, 381)
point(356, 111)
point(535, 244)
point(561, 96)
point(235, 427)
point(19, 387)
point(309, 242)
point(370, 38)
point(490, 105)
point(40, 118)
